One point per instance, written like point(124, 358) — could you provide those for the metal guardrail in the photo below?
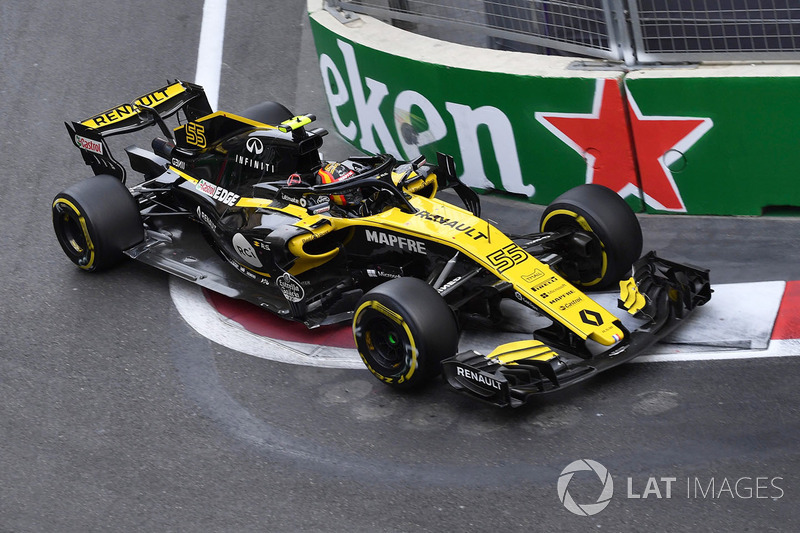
point(715, 30)
point(634, 31)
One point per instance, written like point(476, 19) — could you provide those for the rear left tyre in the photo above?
point(95, 220)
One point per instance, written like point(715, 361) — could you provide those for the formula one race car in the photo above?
point(244, 206)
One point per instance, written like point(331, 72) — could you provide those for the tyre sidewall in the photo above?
point(268, 112)
point(610, 219)
point(108, 218)
point(415, 310)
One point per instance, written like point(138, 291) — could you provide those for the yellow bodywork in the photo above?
point(439, 221)
point(123, 112)
point(633, 300)
point(510, 353)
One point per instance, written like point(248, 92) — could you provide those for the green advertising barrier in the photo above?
point(529, 126)
point(464, 105)
point(740, 154)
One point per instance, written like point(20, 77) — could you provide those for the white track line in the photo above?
point(776, 348)
point(209, 52)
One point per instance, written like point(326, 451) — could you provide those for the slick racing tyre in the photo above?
point(403, 329)
point(95, 220)
point(271, 113)
point(615, 237)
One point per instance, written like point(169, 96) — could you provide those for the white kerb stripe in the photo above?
point(694, 341)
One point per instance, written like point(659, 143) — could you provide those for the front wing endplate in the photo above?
point(661, 292)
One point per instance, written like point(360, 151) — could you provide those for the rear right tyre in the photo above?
point(268, 112)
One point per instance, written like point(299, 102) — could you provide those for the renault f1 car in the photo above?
point(243, 205)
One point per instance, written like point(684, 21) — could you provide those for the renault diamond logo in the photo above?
point(591, 317)
point(254, 145)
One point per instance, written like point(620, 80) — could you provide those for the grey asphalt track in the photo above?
point(116, 416)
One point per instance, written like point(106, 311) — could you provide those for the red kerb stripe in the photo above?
point(264, 323)
point(787, 324)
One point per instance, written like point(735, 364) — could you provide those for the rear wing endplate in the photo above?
point(149, 109)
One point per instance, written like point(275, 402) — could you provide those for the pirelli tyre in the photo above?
point(268, 112)
point(403, 330)
point(614, 235)
point(95, 220)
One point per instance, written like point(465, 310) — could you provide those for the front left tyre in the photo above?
point(614, 233)
point(95, 220)
point(403, 330)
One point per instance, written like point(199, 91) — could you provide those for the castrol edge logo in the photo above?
point(89, 145)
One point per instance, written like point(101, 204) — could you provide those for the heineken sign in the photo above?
point(360, 107)
point(666, 143)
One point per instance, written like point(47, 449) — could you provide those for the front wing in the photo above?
point(661, 292)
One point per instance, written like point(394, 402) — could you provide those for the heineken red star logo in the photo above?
point(603, 139)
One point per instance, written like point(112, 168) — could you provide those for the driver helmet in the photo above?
point(335, 171)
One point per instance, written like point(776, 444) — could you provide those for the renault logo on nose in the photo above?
point(254, 146)
point(591, 317)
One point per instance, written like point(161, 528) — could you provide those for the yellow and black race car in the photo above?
point(243, 205)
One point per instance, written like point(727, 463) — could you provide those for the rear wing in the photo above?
point(149, 109)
